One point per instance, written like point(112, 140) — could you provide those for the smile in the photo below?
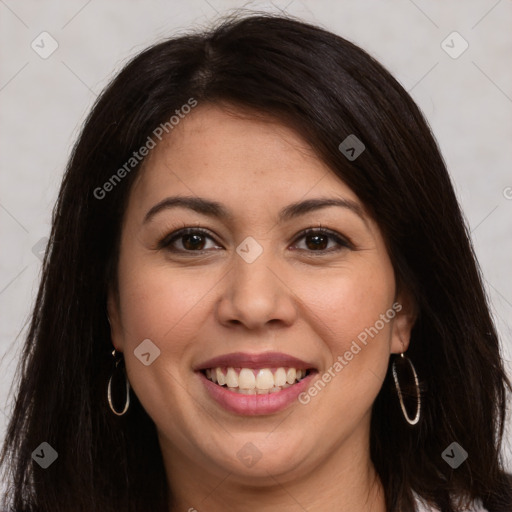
point(255, 384)
point(250, 381)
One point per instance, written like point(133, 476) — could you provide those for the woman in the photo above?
point(259, 293)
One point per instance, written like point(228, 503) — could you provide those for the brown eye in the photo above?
point(191, 242)
point(314, 242)
point(322, 240)
point(187, 240)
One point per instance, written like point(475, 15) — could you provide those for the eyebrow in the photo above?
point(217, 210)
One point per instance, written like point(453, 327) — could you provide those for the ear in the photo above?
point(406, 314)
point(114, 318)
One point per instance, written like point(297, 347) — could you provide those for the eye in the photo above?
point(317, 240)
point(190, 240)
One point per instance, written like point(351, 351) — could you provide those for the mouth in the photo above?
point(250, 381)
point(255, 384)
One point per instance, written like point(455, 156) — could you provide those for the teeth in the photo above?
point(247, 391)
point(221, 378)
point(249, 381)
point(291, 375)
point(264, 379)
point(246, 379)
point(280, 377)
point(231, 378)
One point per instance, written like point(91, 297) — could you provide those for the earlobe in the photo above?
point(403, 322)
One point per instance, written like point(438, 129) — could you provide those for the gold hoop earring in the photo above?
point(109, 389)
point(400, 397)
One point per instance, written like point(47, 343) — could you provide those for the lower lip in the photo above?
point(254, 405)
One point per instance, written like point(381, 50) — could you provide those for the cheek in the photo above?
point(169, 307)
point(347, 312)
point(349, 303)
point(161, 304)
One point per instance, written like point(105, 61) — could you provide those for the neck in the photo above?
point(346, 481)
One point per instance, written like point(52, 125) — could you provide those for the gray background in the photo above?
point(467, 101)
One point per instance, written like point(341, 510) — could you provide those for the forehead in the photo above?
point(239, 155)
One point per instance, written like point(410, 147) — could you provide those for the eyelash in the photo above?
point(167, 241)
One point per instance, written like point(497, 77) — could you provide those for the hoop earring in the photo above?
point(400, 397)
point(109, 390)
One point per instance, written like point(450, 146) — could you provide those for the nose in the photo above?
point(256, 295)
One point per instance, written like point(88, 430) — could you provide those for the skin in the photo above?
point(293, 299)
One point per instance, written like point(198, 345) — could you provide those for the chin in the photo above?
point(255, 456)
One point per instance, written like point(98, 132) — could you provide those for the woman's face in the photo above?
point(245, 293)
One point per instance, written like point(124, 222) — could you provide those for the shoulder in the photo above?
point(421, 506)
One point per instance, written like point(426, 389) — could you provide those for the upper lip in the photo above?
point(246, 360)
